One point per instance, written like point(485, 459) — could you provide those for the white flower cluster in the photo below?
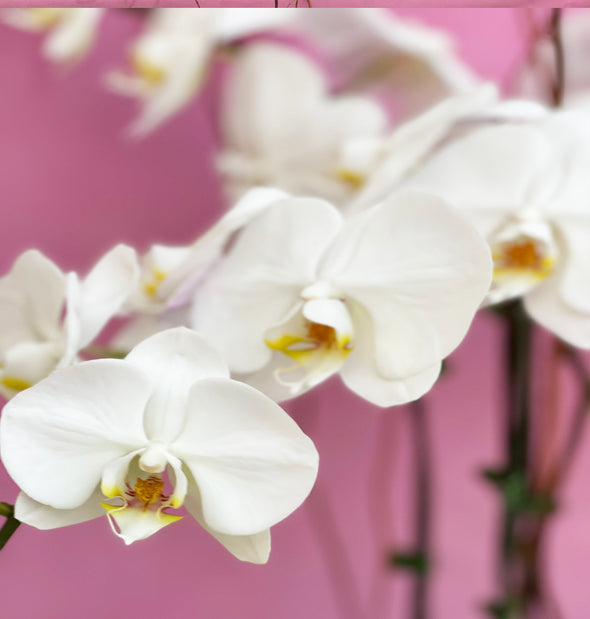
point(357, 246)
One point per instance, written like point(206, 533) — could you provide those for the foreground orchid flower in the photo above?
point(281, 127)
point(48, 316)
point(71, 31)
point(380, 298)
point(170, 59)
point(162, 428)
point(526, 186)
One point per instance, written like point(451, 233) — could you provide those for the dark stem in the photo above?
point(559, 80)
point(423, 470)
point(11, 524)
point(518, 361)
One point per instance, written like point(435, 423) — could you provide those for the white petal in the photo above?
point(498, 169)
point(73, 35)
point(102, 293)
point(409, 145)
point(135, 523)
point(257, 284)
point(253, 548)
point(575, 279)
point(173, 360)
point(251, 462)
point(420, 270)
point(31, 300)
point(230, 24)
point(260, 114)
point(181, 283)
point(28, 363)
point(361, 375)
point(57, 436)
point(546, 306)
point(43, 517)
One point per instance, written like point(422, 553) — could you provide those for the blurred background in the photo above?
point(73, 185)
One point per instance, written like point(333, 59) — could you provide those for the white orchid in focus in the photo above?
point(71, 32)
point(170, 59)
point(281, 127)
point(49, 316)
point(526, 187)
point(163, 428)
point(380, 298)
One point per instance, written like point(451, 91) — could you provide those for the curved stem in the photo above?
point(11, 524)
point(382, 517)
point(559, 81)
point(423, 474)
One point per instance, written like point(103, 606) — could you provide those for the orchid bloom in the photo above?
point(367, 47)
point(526, 186)
point(281, 127)
point(71, 31)
point(379, 298)
point(163, 428)
point(170, 59)
point(169, 274)
point(48, 316)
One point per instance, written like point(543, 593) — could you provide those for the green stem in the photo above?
point(104, 352)
point(11, 524)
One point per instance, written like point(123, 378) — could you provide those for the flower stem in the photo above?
point(420, 436)
point(559, 80)
point(104, 352)
point(11, 524)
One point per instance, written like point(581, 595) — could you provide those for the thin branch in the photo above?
point(10, 526)
point(423, 476)
point(557, 41)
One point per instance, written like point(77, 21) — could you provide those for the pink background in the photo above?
point(72, 185)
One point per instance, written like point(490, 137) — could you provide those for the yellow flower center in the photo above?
point(150, 72)
point(149, 490)
point(152, 284)
point(522, 255)
point(351, 178)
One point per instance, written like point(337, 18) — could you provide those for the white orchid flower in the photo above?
point(48, 316)
point(169, 275)
point(365, 47)
point(71, 32)
point(170, 59)
point(162, 428)
point(380, 298)
point(281, 127)
point(526, 187)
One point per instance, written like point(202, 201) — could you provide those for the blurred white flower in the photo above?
point(170, 59)
point(71, 32)
point(369, 47)
point(169, 275)
point(526, 187)
point(281, 127)
point(48, 316)
point(380, 298)
point(162, 428)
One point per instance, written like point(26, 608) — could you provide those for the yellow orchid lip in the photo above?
point(350, 177)
point(15, 383)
